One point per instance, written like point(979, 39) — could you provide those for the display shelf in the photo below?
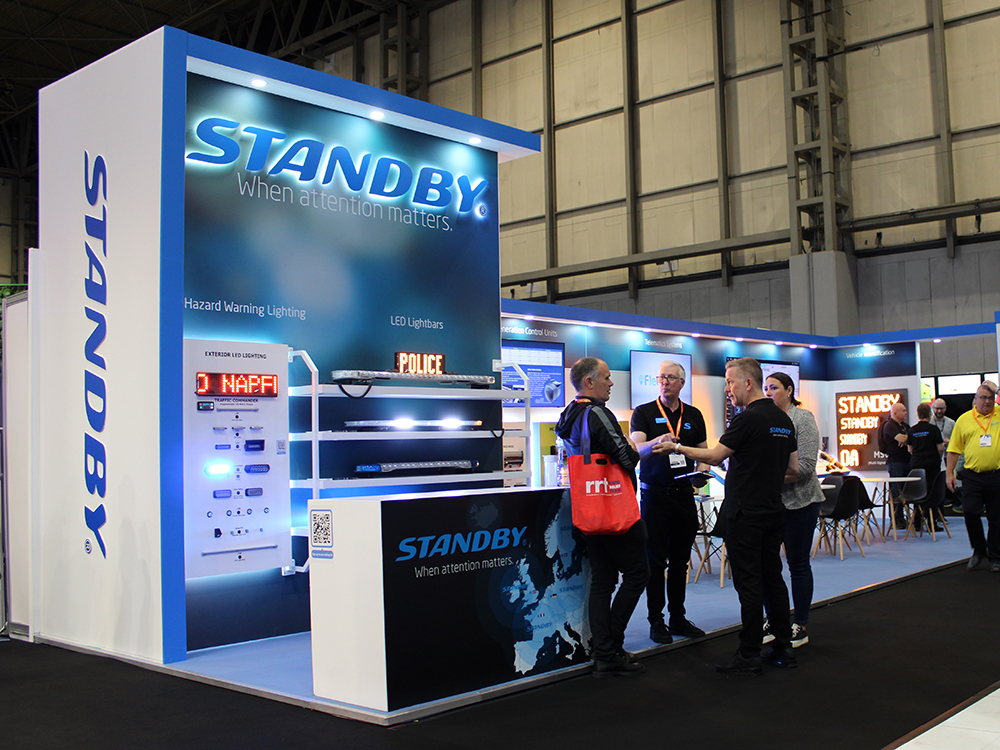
point(351, 436)
point(357, 393)
point(326, 390)
point(389, 481)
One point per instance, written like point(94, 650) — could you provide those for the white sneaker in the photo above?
point(768, 635)
point(799, 635)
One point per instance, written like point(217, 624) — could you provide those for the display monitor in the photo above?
point(645, 366)
point(767, 368)
point(543, 362)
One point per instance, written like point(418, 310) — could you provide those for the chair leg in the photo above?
point(944, 522)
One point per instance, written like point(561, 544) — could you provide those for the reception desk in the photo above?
point(417, 598)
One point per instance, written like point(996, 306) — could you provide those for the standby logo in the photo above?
point(371, 175)
point(421, 547)
point(95, 399)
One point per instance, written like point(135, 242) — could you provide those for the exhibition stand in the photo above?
point(305, 406)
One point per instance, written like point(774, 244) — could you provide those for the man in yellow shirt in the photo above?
point(977, 436)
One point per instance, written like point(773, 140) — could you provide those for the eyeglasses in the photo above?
point(668, 379)
point(985, 396)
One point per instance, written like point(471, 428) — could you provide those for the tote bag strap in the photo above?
point(585, 435)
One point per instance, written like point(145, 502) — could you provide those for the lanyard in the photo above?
point(675, 431)
point(975, 415)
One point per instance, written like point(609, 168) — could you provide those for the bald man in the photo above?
point(895, 433)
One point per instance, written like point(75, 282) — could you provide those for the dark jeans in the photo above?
point(981, 491)
point(672, 522)
point(800, 527)
point(609, 555)
point(753, 546)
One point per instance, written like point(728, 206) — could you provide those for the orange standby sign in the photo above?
point(859, 417)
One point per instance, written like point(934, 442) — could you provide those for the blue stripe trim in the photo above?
point(269, 67)
point(171, 347)
point(607, 317)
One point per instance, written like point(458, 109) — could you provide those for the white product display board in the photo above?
point(237, 511)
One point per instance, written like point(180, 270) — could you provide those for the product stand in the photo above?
point(179, 201)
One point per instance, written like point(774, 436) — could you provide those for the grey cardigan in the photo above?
point(806, 490)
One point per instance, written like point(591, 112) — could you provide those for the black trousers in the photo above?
point(609, 555)
point(979, 492)
point(753, 546)
point(672, 522)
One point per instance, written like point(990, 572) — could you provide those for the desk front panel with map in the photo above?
point(422, 597)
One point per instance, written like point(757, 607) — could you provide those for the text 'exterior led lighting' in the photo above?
point(258, 83)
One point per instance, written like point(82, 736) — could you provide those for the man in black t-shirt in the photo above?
point(667, 501)
point(895, 431)
point(926, 445)
point(762, 452)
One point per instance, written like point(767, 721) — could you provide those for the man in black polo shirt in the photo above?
point(762, 452)
point(895, 432)
point(668, 506)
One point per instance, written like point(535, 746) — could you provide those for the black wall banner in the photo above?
point(480, 590)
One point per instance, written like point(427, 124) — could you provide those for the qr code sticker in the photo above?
point(321, 528)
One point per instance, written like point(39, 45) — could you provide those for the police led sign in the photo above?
point(236, 384)
point(421, 364)
point(859, 417)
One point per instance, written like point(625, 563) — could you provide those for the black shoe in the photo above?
point(627, 656)
point(685, 629)
point(975, 561)
point(617, 667)
point(780, 656)
point(995, 567)
point(740, 664)
point(658, 633)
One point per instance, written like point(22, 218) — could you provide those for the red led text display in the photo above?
point(419, 363)
point(236, 384)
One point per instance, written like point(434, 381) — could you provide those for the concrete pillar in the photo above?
point(824, 294)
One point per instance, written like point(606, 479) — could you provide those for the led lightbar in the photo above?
point(416, 466)
point(366, 377)
point(410, 424)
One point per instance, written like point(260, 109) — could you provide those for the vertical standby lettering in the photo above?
point(95, 285)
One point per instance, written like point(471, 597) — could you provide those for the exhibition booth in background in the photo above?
point(224, 235)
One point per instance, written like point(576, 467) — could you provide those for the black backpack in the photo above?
point(883, 447)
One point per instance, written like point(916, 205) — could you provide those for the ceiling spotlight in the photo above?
point(779, 343)
point(258, 83)
point(475, 141)
point(529, 317)
point(377, 114)
point(937, 341)
point(739, 339)
point(812, 346)
point(696, 335)
point(592, 324)
point(647, 330)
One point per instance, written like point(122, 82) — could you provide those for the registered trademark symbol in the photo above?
point(482, 209)
point(88, 546)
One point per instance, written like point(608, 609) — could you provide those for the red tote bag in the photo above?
point(601, 491)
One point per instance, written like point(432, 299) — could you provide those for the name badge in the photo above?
point(677, 461)
point(661, 420)
point(985, 441)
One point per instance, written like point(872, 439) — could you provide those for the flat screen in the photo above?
point(767, 368)
point(645, 366)
point(543, 363)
